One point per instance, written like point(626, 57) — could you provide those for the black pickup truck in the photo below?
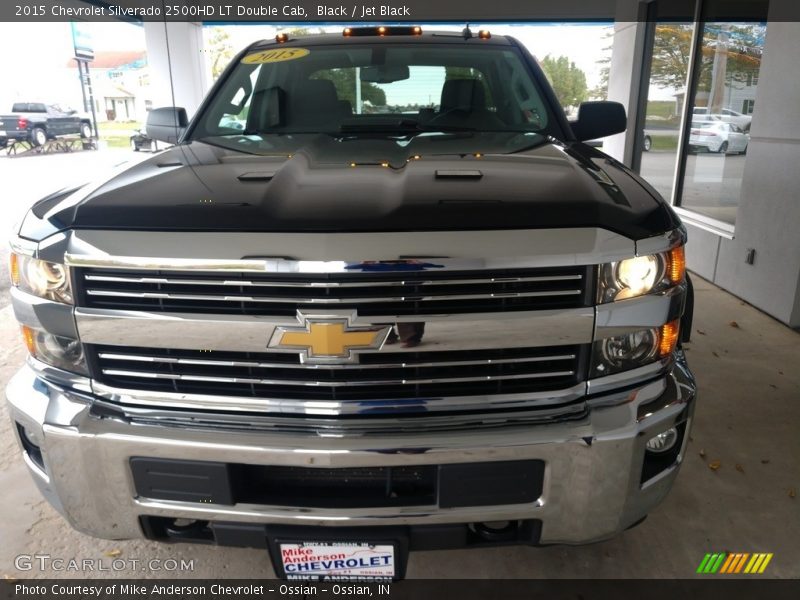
point(378, 297)
point(36, 122)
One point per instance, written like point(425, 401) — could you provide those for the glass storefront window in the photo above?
point(669, 68)
point(719, 133)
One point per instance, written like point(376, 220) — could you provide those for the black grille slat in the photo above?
point(412, 293)
point(542, 369)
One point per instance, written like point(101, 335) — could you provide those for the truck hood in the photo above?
point(434, 182)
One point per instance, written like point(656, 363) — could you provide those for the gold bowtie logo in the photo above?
point(328, 339)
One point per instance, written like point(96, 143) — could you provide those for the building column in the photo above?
point(178, 73)
point(769, 211)
point(624, 80)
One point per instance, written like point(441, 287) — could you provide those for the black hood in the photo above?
point(322, 183)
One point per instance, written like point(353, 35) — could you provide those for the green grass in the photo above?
point(118, 126)
point(663, 142)
point(116, 141)
point(662, 109)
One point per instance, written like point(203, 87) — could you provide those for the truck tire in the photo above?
point(38, 136)
point(86, 130)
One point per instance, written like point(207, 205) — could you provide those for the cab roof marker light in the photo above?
point(381, 31)
point(282, 37)
point(484, 34)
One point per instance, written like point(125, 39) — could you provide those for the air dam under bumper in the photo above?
point(593, 484)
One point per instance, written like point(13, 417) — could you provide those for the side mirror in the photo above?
point(166, 124)
point(599, 119)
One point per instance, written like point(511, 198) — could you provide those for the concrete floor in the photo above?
point(747, 419)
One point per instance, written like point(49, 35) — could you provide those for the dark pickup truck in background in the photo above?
point(36, 122)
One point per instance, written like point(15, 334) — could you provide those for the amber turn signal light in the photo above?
point(668, 338)
point(29, 337)
point(13, 269)
point(676, 269)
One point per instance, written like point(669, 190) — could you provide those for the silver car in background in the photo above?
point(717, 136)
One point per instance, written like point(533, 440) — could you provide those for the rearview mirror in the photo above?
point(384, 73)
point(599, 119)
point(166, 124)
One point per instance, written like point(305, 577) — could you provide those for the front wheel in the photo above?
point(38, 136)
point(86, 130)
point(648, 143)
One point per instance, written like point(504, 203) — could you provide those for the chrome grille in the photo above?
point(282, 294)
point(399, 382)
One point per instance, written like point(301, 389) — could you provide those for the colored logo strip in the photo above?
point(734, 562)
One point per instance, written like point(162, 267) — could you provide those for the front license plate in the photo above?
point(321, 560)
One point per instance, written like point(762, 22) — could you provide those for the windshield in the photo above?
point(367, 90)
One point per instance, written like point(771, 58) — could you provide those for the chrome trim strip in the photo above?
point(250, 333)
point(22, 246)
point(642, 312)
point(623, 379)
point(172, 400)
point(279, 300)
point(268, 365)
point(42, 313)
point(306, 383)
point(300, 252)
point(325, 284)
point(662, 242)
point(331, 427)
point(58, 376)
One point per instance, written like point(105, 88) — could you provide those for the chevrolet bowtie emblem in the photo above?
point(326, 339)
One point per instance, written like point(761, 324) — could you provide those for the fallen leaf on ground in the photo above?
point(764, 461)
point(113, 553)
point(702, 453)
point(739, 468)
point(701, 332)
point(772, 385)
point(792, 492)
point(714, 465)
point(734, 324)
point(715, 354)
point(780, 372)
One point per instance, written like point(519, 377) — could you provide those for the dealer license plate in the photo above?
point(319, 560)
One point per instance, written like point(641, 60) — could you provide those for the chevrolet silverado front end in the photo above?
point(379, 295)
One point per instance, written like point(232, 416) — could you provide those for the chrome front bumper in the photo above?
point(592, 482)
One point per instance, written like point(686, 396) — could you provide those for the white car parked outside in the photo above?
point(727, 115)
point(718, 136)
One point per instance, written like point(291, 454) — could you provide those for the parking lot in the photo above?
point(736, 493)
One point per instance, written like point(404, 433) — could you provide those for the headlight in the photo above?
point(641, 275)
point(41, 278)
point(58, 351)
point(632, 350)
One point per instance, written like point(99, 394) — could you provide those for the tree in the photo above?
point(741, 46)
point(220, 50)
point(568, 81)
point(344, 80)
